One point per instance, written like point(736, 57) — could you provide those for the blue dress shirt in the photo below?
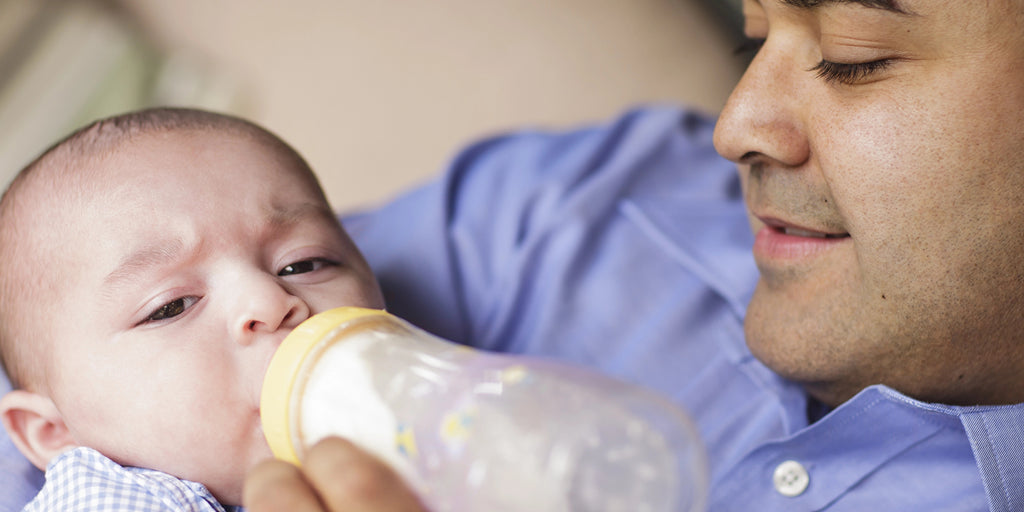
point(626, 247)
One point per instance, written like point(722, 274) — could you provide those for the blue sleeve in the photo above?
point(506, 228)
point(439, 251)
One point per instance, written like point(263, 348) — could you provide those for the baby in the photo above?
point(150, 264)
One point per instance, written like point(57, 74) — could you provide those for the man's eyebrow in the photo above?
point(885, 5)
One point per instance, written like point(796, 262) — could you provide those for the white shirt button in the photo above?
point(791, 478)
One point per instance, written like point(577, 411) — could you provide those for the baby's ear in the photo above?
point(35, 426)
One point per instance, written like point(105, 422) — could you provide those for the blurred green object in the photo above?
point(730, 12)
point(64, 63)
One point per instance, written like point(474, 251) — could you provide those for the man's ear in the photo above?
point(35, 425)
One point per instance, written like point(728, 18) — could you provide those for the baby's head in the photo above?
point(150, 264)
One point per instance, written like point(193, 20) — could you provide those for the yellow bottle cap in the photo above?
point(286, 366)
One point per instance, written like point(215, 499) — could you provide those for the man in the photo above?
point(878, 144)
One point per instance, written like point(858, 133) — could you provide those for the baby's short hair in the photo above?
point(102, 137)
point(68, 155)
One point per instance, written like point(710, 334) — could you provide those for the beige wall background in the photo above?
point(377, 95)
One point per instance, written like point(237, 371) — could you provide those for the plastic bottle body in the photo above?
point(480, 431)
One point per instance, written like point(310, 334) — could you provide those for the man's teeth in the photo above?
point(810, 234)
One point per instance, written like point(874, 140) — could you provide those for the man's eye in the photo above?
point(172, 309)
point(849, 74)
point(302, 267)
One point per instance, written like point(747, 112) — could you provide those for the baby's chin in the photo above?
point(228, 488)
point(231, 492)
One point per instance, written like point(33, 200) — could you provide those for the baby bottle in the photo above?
point(477, 431)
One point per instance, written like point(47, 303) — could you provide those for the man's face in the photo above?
point(189, 258)
point(882, 156)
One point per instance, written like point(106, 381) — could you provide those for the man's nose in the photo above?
point(762, 120)
point(265, 306)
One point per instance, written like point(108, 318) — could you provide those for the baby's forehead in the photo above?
point(103, 163)
point(159, 173)
point(99, 174)
point(79, 178)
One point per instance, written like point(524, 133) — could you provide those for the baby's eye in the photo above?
point(172, 308)
point(304, 266)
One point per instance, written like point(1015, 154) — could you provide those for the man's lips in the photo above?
point(779, 240)
point(794, 229)
point(809, 234)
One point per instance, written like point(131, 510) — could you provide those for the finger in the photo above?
point(352, 480)
point(277, 486)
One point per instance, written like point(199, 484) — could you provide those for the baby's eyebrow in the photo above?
point(280, 217)
point(146, 257)
point(162, 252)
